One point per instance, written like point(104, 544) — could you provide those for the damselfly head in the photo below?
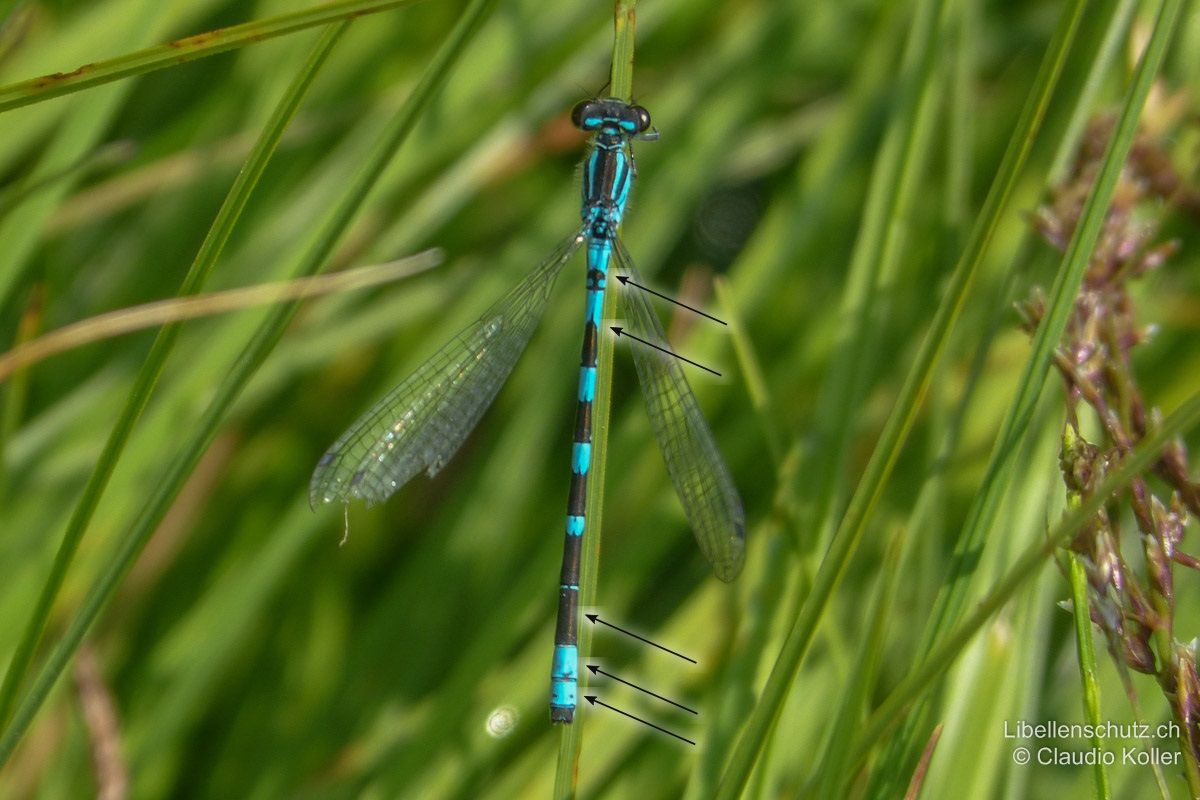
point(610, 116)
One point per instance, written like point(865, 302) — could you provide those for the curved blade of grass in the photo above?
point(177, 309)
point(7, 9)
point(106, 156)
point(941, 657)
point(784, 229)
point(11, 23)
point(900, 422)
point(15, 396)
point(1080, 612)
point(180, 51)
point(77, 136)
point(775, 532)
point(1059, 307)
point(750, 368)
point(570, 742)
point(1060, 304)
point(143, 387)
point(878, 245)
point(246, 365)
point(833, 775)
point(1101, 34)
point(896, 175)
point(1001, 464)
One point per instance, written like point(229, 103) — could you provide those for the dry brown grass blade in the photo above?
point(161, 312)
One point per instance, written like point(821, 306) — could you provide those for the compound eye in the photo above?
point(643, 118)
point(581, 112)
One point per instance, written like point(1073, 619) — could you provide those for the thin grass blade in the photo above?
point(246, 365)
point(1105, 35)
point(166, 312)
point(200, 45)
point(1087, 668)
point(940, 658)
point(900, 422)
point(570, 739)
point(1002, 462)
point(143, 386)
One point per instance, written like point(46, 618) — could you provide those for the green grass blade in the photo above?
point(624, 41)
point(160, 313)
point(15, 395)
point(894, 191)
point(939, 659)
point(1060, 303)
point(1081, 614)
point(900, 421)
point(247, 654)
point(98, 160)
point(71, 142)
point(751, 371)
point(45, 87)
point(143, 386)
point(985, 506)
point(246, 365)
point(1059, 306)
point(1101, 34)
point(570, 740)
point(833, 777)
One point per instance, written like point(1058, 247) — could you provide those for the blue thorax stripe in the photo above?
point(589, 185)
point(620, 184)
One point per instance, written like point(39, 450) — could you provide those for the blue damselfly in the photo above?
point(421, 423)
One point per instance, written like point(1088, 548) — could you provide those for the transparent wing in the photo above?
point(701, 478)
point(422, 422)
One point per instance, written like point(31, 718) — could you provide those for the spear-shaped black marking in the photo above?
point(597, 671)
point(598, 702)
point(626, 282)
point(596, 618)
point(622, 332)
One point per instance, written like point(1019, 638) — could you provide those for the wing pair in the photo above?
point(422, 422)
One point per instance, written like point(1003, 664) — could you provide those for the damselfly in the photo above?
point(421, 423)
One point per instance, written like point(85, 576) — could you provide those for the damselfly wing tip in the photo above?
point(318, 495)
point(729, 567)
point(728, 571)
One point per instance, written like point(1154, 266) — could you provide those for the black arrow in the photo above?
point(597, 702)
point(597, 671)
point(626, 282)
point(621, 332)
point(596, 618)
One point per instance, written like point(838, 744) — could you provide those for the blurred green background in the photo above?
point(829, 178)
